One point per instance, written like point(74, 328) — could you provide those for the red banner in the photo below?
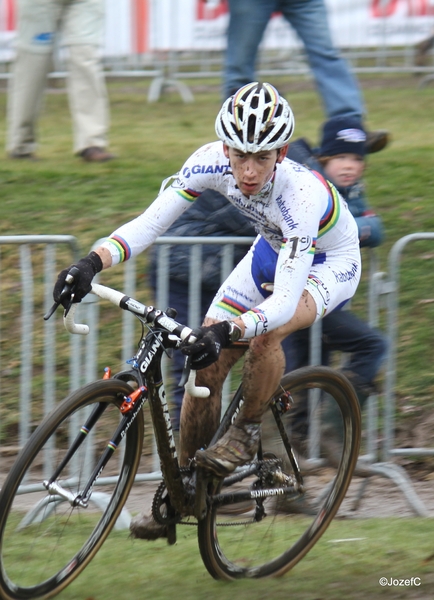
point(140, 26)
point(10, 15)
point(207, 11)
point(412, 8)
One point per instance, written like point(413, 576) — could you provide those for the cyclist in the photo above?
point(304, 263)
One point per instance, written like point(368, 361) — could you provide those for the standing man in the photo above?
point(78, 24)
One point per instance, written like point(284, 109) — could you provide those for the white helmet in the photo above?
point(254, 119)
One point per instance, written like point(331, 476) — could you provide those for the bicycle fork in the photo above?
point(130, 408)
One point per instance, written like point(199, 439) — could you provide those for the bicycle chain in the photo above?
point(161, 498)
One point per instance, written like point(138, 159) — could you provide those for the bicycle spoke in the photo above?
point(284, 511)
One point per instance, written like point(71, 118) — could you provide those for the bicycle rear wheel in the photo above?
point(277, 528)
point(45, 540)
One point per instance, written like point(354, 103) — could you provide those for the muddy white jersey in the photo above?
point(299, 214)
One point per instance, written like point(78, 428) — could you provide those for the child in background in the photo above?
point(341, 159)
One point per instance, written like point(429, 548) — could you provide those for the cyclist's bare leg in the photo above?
point(200, 417)
point(263, 369)
point(265, 361)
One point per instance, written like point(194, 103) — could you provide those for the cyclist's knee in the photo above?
point(265, 343)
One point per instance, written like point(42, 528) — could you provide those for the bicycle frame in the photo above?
point(165, 333)
point(148, 373)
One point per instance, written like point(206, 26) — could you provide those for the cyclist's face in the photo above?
point(252, 171)
point(344, 169)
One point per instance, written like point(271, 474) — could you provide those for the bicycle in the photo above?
point(247, 524)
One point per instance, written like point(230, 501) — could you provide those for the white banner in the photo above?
point(353, 23)
point(140, 26)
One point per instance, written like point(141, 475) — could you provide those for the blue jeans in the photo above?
point(343, 331)
point(248, 19)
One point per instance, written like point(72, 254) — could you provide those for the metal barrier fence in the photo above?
point(170, 69)
point(391, 289)
point(26, 336)
point(387, 285)
point(82, 361)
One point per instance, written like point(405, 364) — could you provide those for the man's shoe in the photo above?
point(376, 140)
point(237, 447)
point(145, 527)
point(95, 154)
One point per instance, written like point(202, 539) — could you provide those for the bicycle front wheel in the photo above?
point(282, 519)
point(46, 539)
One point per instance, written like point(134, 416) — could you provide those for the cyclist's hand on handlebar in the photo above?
point(84, 272)
point(204, 344)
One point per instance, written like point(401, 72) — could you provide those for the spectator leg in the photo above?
point(247, 23)
point(87, 98)
point(336, 84)
point(25, 94)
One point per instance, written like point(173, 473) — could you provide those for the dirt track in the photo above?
point(379, 495)
point(381, 498)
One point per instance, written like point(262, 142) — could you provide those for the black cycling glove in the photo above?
point(87, 268)
point(209, 342)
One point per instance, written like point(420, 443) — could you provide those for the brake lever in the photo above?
point(51, 312)
point(185, 371)
point(69, 280)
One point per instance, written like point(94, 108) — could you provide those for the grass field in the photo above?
point(347, 562)
point(61, 195)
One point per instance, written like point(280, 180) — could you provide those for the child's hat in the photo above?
point(343, 135)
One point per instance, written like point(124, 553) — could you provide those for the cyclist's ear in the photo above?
point(281, 153)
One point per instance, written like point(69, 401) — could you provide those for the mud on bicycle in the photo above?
point(69, 484)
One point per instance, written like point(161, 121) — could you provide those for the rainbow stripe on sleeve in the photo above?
point(331, 215)
point(231, 306)
point(258, 315)
point(189, 195)
point(121, 246)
